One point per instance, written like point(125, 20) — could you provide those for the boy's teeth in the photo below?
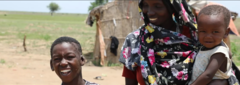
point(65, 70)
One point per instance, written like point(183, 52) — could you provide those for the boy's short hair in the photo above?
point(66, 39)
point(217, 10)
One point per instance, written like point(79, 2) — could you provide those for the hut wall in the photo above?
point(127, 18)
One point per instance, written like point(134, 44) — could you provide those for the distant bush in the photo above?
point(235, 53)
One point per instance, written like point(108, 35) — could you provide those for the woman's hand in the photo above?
point(129, 81)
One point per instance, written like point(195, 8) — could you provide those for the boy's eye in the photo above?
point(202, 31)
point(57, 59)
point(215, 32)
point(70, 57)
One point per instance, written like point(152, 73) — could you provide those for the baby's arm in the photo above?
point(215, 63)
point(218, 82)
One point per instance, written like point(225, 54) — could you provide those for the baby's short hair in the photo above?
point(217, 10)
point(66, 39)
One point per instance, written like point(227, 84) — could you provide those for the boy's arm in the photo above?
point(215, 63)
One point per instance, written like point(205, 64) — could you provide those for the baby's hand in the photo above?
point(219, 82)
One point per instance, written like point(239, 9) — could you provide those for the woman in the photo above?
point(161, 51)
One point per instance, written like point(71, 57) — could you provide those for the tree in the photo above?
point(53, 7)
point(96, 3)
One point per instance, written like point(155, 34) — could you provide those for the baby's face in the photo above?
point(211, 30)
point(66, 61)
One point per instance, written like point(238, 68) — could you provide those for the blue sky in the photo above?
point(79, 6)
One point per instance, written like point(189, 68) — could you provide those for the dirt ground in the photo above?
point(32, 67)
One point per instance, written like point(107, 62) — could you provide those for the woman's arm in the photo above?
point(126, 54)
point(215, 63)
point(130, 76)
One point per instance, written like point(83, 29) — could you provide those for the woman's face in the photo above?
point(66, 61)
point(156, 11)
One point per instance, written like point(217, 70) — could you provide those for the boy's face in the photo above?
point(66, 61)
point(211, 30)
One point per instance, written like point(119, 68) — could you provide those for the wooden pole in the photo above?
point(102, 44)
point(24, 43)
point(101, 41)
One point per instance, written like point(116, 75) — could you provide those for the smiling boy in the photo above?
point(67, 61)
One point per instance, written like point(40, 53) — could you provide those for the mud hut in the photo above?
point(118, 19)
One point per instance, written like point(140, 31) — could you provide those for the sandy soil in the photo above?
point(32, 67)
